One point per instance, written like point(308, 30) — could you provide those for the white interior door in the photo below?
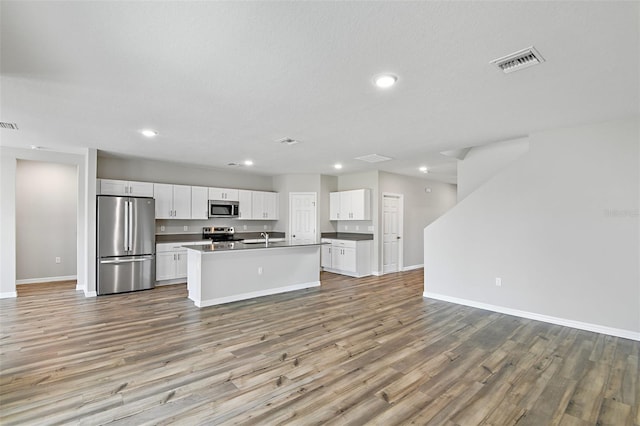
point(391, 233)
point(302, 216)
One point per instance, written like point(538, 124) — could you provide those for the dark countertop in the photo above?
point(350, 236)
point(240, 246)
point(178, 238)
point(188, 238)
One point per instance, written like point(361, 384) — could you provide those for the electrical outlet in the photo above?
point(357, 228)
point(346, 227)
point(161, 228)
point(498, 282)
point(58, 260)
point(259, 270)
point(185, 227)
point(244, 227)
point(266, 227)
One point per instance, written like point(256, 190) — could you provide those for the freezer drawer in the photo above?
point(122, 274)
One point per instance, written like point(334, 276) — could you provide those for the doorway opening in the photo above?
point(392, 228)
point(46, 222)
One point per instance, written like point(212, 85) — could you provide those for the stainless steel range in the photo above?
point(219, 233)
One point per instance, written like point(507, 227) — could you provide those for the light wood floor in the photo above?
point(354, 351)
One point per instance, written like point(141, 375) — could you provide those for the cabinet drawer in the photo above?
point(344, 243)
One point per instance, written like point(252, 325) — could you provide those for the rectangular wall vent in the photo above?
point(9, 126)
point(519, 60)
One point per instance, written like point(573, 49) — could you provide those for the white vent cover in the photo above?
point(373, 158)
point(519, 60)
point(9, 126)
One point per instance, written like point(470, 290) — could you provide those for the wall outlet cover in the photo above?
point(161, 228)
point(186, 228)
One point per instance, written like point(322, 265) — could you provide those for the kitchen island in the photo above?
point(230, 271)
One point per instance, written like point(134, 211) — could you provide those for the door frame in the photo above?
point(400, 198)
point(289, 221)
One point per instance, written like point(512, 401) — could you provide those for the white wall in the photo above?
point(483, 162)
point(181, 174)
point(46, 220)
point(328, 184)
point(420, 209)
point(560, 226)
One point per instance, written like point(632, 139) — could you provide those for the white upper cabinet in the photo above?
point(245, 204)
point(350, 205)
point(264, 205)
point(334, 206)
point(199, 202)
point(172, 201)
point(125, 187)
point(223, 194)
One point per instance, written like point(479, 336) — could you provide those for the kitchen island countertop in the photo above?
point(235, 246)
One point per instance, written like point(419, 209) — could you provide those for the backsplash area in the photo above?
point(169, 226)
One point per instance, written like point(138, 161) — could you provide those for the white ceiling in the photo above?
point(222, 81)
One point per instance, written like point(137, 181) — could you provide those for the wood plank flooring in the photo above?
point(353, 351)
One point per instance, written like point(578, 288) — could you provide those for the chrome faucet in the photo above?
point(266, 237)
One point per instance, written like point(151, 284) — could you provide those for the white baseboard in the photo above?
point(47, 279)
point(8, 295)
point(90, 294)
point(254, 294)
point(412, 267)
point(596, 328)
point(377, 273)
point(171, 282)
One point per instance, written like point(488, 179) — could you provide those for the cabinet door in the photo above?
point(245, 204)
point(199, 202)
point(360, 204)
point(257, 205)
point(334, 206)
point(141, 189)
point(181, 202)
point(348, 260)
point(270, 205)
point(113, 187)
point(346, 211)
point(223, 194)
point(163, 193)
point(325, 256)
point(181, 263)
point(165, 265)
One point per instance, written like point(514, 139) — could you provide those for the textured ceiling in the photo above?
point(223, 81)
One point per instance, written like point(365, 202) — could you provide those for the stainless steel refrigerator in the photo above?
point(126, 244)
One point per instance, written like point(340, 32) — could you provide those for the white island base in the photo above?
point(215, 276)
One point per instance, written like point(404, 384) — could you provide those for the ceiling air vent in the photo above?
point(288, 141)
point(373, 158)
point(519, 60)
point(9, 126)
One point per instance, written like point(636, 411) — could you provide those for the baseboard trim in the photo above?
point(171, 282)
point(596, 328)
point(377, 273)
point(90, 294)
point(47, 279)
point(8, 295)
point(412, 267)
point(254, 294)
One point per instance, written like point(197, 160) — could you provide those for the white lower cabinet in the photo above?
point(171, 260)
point(347, 257)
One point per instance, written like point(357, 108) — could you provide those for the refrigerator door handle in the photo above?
point(129, 260)
point(130, 239)
point(126, 226)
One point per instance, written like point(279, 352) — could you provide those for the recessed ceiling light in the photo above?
point(149, 133)
point(248, 163)
point(424, 169)
point(337, 166)
point(384, 81)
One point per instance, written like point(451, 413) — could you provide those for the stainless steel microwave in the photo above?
point(223, 208)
